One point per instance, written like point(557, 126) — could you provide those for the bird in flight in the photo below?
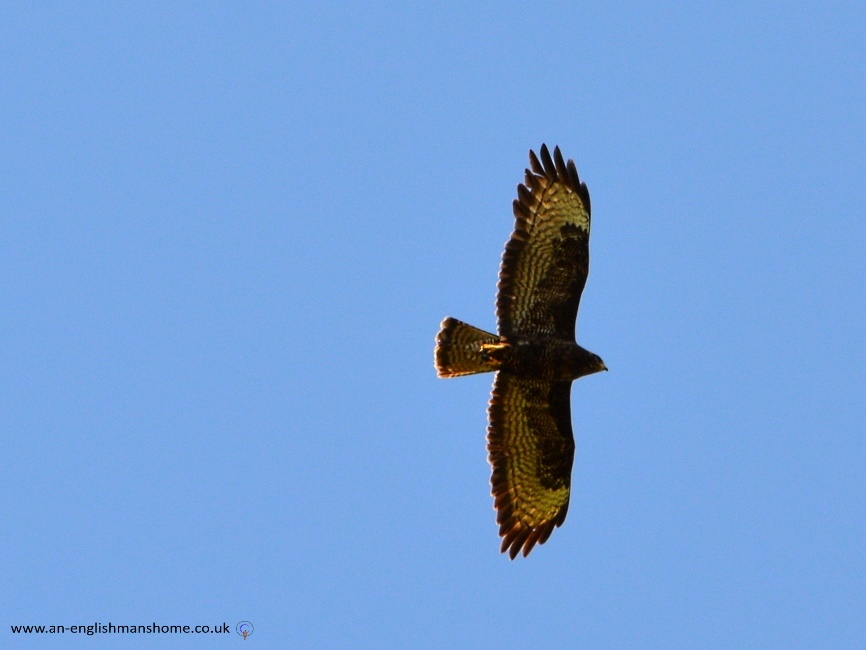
point(530, 443)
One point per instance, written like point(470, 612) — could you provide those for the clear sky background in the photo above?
point(229, 234)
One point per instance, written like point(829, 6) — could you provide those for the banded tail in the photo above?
point(464, 350)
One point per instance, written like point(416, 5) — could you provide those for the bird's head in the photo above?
point(598, 364)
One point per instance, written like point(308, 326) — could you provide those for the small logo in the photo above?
point(244, 628)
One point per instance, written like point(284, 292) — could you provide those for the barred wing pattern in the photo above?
point(543, 273)
point(546, 260)
point(531, 449)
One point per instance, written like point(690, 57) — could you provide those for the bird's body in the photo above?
point(551, 359)
point(535, 355)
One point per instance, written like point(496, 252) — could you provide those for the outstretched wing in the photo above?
point(546, 261)
point(530, 447)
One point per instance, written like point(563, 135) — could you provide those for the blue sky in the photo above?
point(229, 234)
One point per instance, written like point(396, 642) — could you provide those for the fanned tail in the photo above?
point(464, 350)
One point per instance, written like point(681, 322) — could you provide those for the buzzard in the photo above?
point(535, 356)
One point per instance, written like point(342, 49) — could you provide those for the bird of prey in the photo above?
point(535, 356)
